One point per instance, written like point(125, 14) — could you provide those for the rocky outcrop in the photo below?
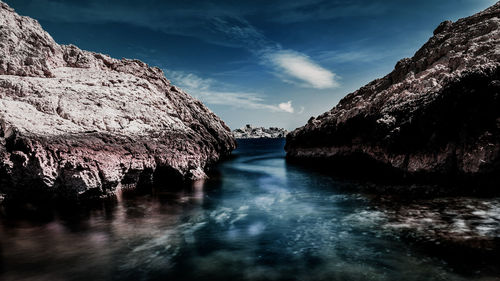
point(250, 132)
point(77, 124)
point(436, 116)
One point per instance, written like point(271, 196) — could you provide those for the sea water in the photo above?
point(257, 218)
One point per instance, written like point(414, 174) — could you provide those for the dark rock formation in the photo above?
point(249, 132)
point(79, 124)
point(436, 116)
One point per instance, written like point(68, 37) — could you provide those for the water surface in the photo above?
point(258, 218)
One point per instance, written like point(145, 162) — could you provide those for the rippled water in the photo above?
point(258, 218)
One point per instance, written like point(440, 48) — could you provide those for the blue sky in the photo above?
point(267, 63)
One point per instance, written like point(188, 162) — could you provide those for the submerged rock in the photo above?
point(250, 132)
point(455, 225)
point(75, 123)
point(468, 223)
point(435, 117)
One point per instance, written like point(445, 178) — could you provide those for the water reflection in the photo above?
point(257, 219)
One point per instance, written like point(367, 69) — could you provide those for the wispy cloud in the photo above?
point(301, 11)
point(358, 56)
point(243, 100)
point(291, 66)
point(189, 81)
point(300, 67)
point(237, 31)
point(211, 91)
point(167, 14)
point(223, 24)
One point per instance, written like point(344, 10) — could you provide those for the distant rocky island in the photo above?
point(250, 132)
point(78, 124)
point(434, 118)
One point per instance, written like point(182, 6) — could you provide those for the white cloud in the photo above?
point(206, 91)
point(239, 32)
point(189, 80)
point(360, 56)
point(286, 106)
point(242, 100)
point(288, 64)
point(220, 24)
point(300, 67)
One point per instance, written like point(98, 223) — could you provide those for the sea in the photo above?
point(258, 217)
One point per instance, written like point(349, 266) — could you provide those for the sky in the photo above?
point(260, 62)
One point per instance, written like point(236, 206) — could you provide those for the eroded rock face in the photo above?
point(77, 123)
point(435, 116)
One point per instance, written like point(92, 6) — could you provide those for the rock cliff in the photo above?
point(78, 124)
point(250, 132)
point(435, 117)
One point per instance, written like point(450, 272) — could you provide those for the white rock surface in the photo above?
point(76, 123)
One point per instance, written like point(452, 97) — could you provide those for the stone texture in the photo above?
point(435, 116)
point(250, 132)
point(76, 123)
